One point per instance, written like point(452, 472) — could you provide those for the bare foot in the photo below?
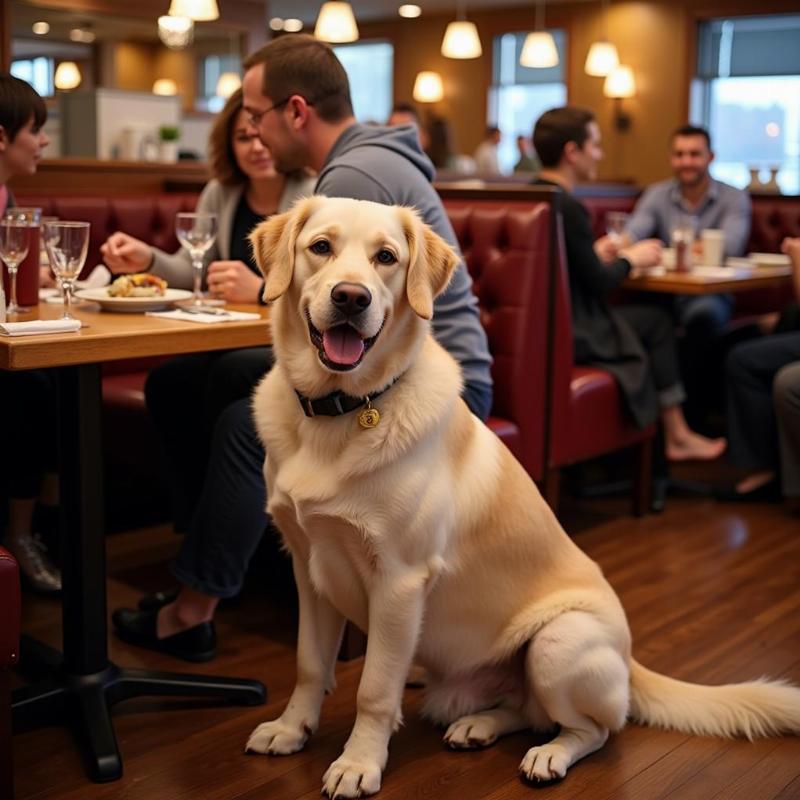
point(754, 481)
point(694, 447)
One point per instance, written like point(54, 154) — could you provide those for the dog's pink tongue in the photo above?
point(342, 345)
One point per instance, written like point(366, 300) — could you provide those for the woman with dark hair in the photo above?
point(30, 477)
point(188, 396)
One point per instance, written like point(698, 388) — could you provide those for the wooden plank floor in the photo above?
point(712, 593)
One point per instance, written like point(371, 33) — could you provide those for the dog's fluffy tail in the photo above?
point(753, 709)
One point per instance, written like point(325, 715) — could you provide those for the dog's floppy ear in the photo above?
point(431, 263)
point(273, 243)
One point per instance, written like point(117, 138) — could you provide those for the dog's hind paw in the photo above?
point(276, 738)
point(546, 763)
point(471, 732)
point(349, 778)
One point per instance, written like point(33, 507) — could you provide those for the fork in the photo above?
point(218, 312)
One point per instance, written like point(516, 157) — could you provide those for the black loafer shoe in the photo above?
point(158, 600)
point(195, 644)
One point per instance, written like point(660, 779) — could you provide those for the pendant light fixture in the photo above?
point(461, 38)
point(67, 76)
point(175, 32)
point(428, 87)
point(539, 50)
point(602, 57)
point(336, 23)
point(197, 10)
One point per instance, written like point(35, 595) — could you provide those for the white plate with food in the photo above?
point(769, 259)
point(134, 304)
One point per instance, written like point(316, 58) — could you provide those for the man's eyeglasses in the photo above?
point(255, 118)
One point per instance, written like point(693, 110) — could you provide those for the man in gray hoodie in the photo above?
point(298, 97)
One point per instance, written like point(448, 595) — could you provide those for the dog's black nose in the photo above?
point(350, 298)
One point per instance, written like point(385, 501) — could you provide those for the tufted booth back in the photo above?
point(507, 251)
point(150, 218)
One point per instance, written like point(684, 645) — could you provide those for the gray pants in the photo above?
point(786, 397)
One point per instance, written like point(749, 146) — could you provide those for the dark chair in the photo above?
point(9, 653)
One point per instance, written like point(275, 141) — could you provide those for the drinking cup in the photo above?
point(713, 246)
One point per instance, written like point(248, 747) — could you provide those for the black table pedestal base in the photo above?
point(84, 702)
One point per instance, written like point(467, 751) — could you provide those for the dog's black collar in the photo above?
point(336, 404)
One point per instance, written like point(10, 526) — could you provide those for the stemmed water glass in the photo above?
point(196, 232)
point(14, 244)
point(615, 224)
point(67, 244)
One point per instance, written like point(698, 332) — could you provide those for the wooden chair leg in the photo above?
point(642, 489)
point(551, 487)
point(354, 643)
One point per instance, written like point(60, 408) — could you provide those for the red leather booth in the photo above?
point(9, 653)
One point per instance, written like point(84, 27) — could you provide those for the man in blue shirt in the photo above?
point(692, 196)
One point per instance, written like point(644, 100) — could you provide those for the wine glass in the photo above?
point(14, 244)
point(615, 224)
point(196, 232)
point(67, 244)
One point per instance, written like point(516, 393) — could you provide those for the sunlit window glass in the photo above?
point(369, 67)
point(746, 93)
point(519, 95)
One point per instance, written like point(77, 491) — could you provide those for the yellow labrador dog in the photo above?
point(406, 515)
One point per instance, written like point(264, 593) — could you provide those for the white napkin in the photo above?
point(204, 317)
point(40, 326)
point(98, 277)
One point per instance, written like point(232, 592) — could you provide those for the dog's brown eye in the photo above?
point(321, 248)
point(385, 257)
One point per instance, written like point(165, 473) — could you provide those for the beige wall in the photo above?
point(657, 39)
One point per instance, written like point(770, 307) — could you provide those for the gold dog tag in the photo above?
point(369, 417)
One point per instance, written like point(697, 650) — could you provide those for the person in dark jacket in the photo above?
point(634, 343)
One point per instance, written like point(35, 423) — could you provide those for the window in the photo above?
point(211, 67)
point(746, 93)
point(38, 72)
point(519, 95)
point(369, 67)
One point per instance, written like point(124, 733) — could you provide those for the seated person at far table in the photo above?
point(634, 343)
point(762, 390)
point(692, 197)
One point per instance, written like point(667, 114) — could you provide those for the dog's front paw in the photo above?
point(468, 733)
point(277, 738)
point(348, 777)
point(546, 763)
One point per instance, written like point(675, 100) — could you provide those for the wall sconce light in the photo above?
point(166, 87)
point(336, 23)
point(461, 38)
point(67, 76)
point(602, 57)
point(539, 50)
point(175, 32)
point(428, 87)
point(620, 83)
point(197, 10)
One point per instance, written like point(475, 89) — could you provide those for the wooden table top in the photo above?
point(723, 279)
point(110, 336)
